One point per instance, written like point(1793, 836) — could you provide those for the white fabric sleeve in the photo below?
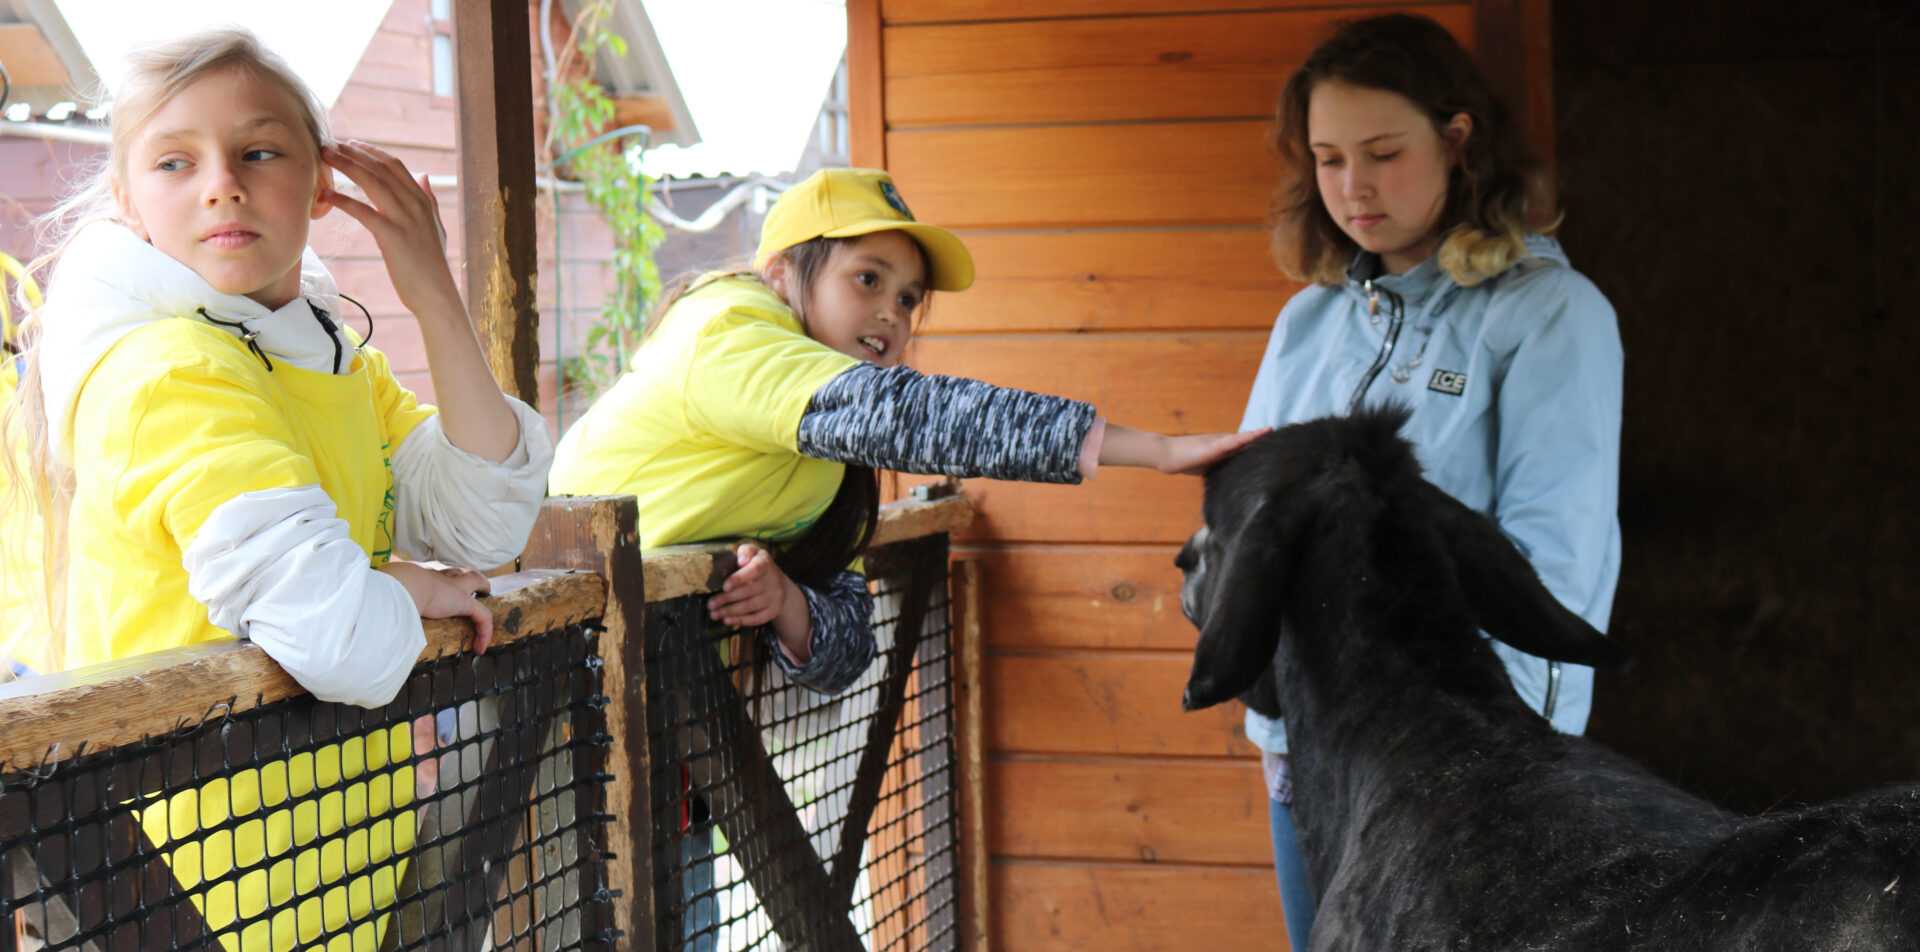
point(458, 508)
point(277, 568)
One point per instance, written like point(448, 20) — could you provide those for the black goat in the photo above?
point(1437, 811)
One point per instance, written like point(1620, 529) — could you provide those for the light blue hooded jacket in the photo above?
point(1515, 390)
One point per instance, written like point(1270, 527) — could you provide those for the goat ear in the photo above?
point(1243, 624)
point(1506, 595)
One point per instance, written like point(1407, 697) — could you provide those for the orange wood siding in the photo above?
point(1109, 163)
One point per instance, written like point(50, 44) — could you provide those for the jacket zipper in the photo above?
point(1398, 316)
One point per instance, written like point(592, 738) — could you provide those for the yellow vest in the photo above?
point(704, 428)
point(177, 419)
point(174, 421)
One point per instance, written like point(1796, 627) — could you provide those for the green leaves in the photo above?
point(614, 186)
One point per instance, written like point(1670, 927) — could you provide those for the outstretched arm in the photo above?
point(897, 418)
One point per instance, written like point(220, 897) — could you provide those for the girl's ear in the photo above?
point(1457, 131)
point(322, 193)
point(779, 276)
point(129, 215)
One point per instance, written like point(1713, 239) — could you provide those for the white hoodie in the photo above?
point(278, 567)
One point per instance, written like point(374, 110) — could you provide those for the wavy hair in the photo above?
point(1495, 192)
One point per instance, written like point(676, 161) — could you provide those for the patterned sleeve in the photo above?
point(841, 617)
point(897, 418)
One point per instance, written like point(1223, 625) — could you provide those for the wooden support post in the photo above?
point(970, 757)
point(491, 50)
point(866, 105)
point(601, 535)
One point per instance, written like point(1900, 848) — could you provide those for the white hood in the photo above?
point(109, 283)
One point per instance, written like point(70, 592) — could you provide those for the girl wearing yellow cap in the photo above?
point(761, 401)
point(221, 458)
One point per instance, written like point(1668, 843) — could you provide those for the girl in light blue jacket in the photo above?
point(1412, 208)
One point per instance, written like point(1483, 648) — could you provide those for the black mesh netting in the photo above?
point(787, 819)
point(467, 814)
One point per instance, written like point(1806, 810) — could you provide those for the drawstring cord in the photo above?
point(333, 330)
point(251, 336)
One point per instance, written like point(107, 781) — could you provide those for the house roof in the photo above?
point(643, 71)
point(56, 46)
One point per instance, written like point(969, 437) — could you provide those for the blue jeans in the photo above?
point(1290, 868)
point(699, 923)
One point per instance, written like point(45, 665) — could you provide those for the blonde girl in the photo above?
point(216, 456)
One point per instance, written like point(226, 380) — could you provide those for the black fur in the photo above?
point(1436, 810)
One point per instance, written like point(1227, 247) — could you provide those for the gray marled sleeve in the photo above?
point(842, 637)
point(897, 418)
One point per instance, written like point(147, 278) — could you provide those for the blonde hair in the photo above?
point(37, 484)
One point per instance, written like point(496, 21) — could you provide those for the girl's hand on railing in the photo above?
point(758, 593)
point(448, 593)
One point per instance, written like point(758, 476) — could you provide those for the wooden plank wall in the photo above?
point(1107, 161)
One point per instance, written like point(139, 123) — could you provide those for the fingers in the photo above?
point(752, 611)
point(482, 626)
point(728, 606)
point(391, 188)
point(756, 617)
point(356, 209)
point(1200, 453)
point(469, 579)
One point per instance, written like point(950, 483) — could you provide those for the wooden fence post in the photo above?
point(970, 740)
point(601, 535)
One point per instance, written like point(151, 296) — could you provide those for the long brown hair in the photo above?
point(846, 527)
point(1495, 194)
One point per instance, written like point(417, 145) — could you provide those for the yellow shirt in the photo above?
point(175, 420)
point(704, 428)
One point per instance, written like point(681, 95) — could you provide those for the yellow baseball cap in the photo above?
point(847, 203)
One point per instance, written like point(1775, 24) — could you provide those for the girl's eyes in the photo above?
point(251, 155)
point(1332, 162)
point(909, 302)
point(866, 279)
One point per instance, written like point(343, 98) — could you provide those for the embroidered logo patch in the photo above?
point(1450, 382)
point(892, 195)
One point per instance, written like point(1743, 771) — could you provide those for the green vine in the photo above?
point(579, 113)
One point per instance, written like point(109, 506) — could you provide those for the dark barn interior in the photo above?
point(1740, 179)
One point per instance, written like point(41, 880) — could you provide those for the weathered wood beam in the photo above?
point(118, 702)
point(495, 70)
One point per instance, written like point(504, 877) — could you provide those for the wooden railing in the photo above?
point(556, 777)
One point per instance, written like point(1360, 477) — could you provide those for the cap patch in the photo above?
point(892, 195)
